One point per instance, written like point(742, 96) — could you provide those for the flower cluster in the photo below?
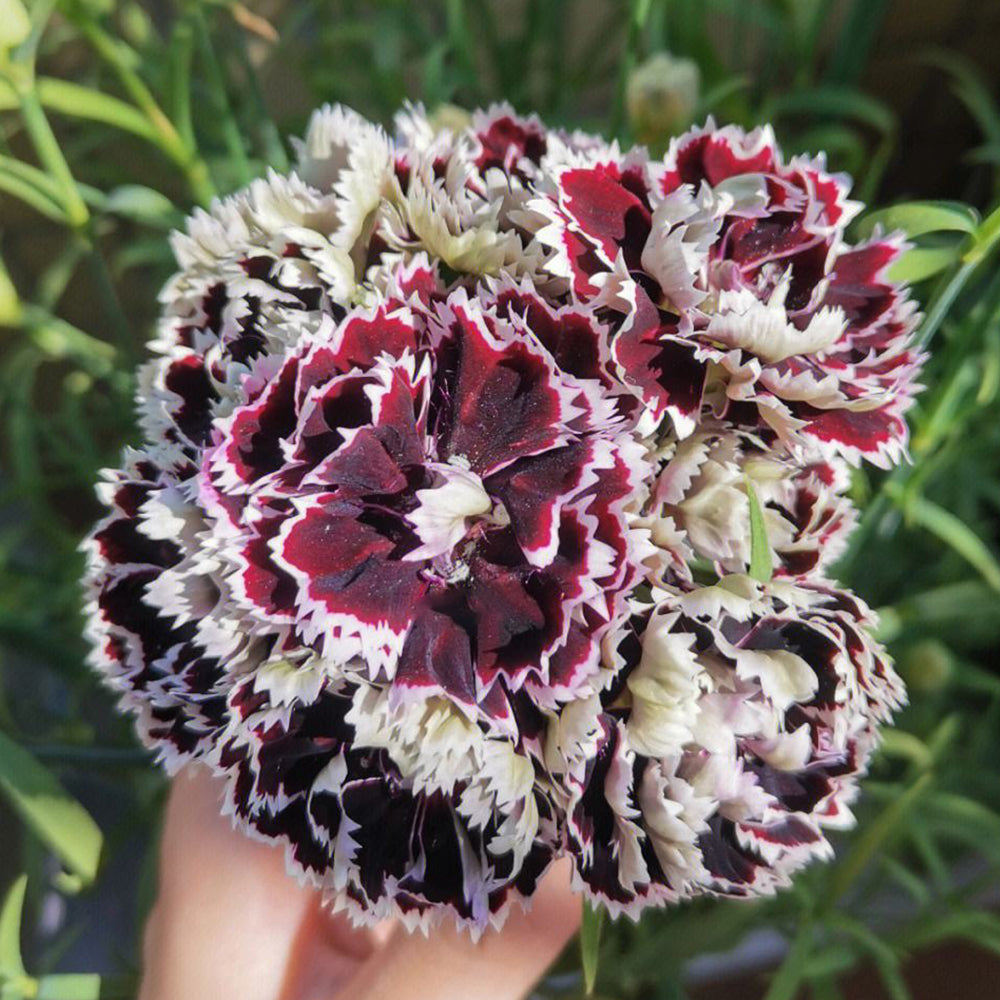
point(437, 550)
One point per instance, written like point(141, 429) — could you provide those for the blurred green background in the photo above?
point(116, 118)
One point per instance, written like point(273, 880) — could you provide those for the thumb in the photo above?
point(503, 965)
point(229, 921)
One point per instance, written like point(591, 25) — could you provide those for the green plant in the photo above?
point(116, 122)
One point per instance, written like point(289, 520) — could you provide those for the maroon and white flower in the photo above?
point(699, 507)
point(440, 431)
point(734, 290)
point(736, 722)
point(410, 538)
point(433, 495)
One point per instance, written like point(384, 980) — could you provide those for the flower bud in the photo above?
point(449, 116)
point(14, 24)
point(927, 665)
point(661, 96)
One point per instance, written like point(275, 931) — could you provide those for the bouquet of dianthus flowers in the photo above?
point(489, 482)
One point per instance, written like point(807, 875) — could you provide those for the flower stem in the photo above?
point(637, 21)
point(217, 88)
point(49, 153)
point(170, 141)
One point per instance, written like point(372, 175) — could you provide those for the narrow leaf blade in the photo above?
point(955, 533)
point(11, 965)
point(920, 263)
point(761, 559)
point(70, 986)
point(590, 942)
point(916, 218)
point(59, 821)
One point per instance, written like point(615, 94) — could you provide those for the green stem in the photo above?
point(274, 149)
point(228, 125)
point(987, 236)
point(942, 300)
point(786, 982)
point(49, 153)
point(180, 80)
point(637, 21)
point(111, 302)
point(170, 140)
point(984, 240)
point(19, 184)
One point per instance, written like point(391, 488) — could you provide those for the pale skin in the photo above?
point(229, 922)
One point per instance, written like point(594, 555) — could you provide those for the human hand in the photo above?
point(229, 922)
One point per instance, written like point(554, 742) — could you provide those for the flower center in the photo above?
point(442, 515)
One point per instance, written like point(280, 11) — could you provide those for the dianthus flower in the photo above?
point(437, 546)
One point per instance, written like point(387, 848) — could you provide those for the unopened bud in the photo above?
point(15, 26)
point(927, 665)
point(661, 96)
point(449, 116)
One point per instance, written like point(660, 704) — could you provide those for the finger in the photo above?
point(500, 966)
point(229, 921)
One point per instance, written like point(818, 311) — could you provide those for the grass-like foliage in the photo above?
point(119, 116)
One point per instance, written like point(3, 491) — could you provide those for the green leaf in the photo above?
point(59, 821)
point(71, 986)
point(10, 302)
point(968, 609)
point(920, 263)
point(590, 942)
point(874, 837)
point(144, 205)
point(977, 926)
point(32, 186)
point(901, 744)
point(916, 218)
point(794, 969)
point(974, 815)
point(761, 560)
point(970, 88)
point(71, 99)
point(76, 101)
point(952, 531)
point(913, 884)
point(11, 964)
point(837, 102)
point(719, 94)
point(14, 24)
point(57, 339)
point(886, 960)
point(986, 237)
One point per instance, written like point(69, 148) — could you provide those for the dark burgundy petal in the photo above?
point(360, 339)
point(254, 446)
point(188, 379)
point(605, 210)
point(868, 433)
point(265, 584)
point(505, 403)
point(362, 467)
point(437, 655)
point(858, 284)
point(533, 491)
point(573, 337)
point(509, 621)
point(664, 369)
point(703, 155)
point(339, 564)
point(507, 139)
